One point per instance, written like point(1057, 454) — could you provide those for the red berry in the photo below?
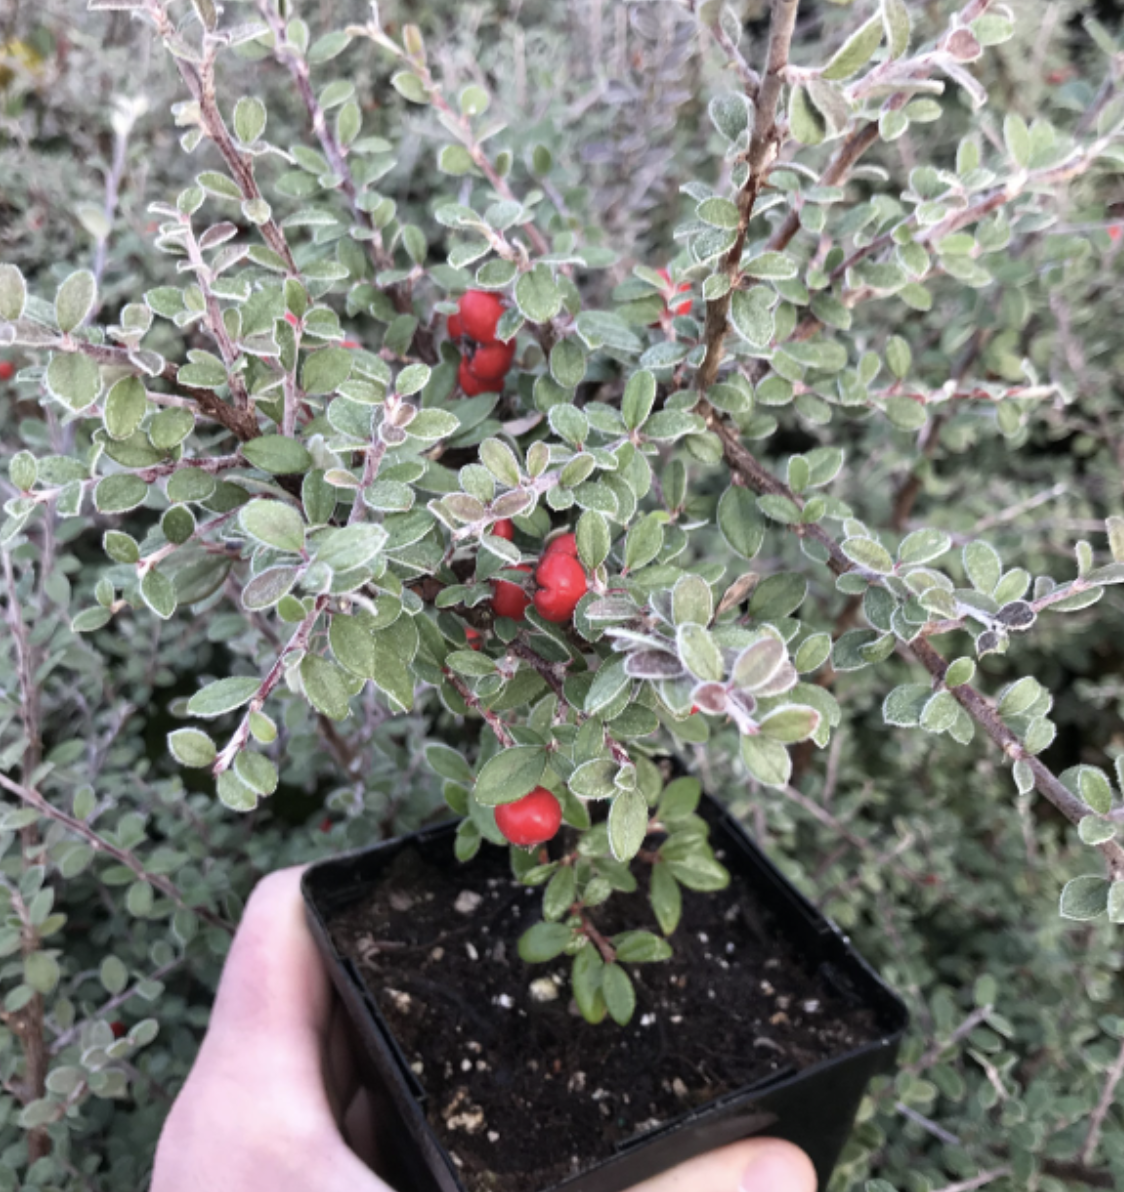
point(326, 824)
point(694, 709)
point(350, 343)
point(480, 311)
point(473, 639)
point(532, 820)
point(291, 319)
point(455, 326)
point(509, 600)
point(1114, 234)
point(7, 370)
point(566, 544)
point(490, 362)
point(119, 1029)
point(470, 383)
point(562, 584)
point(504, 528)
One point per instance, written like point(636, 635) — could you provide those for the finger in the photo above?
point(757, 1165)
point(273, 1000)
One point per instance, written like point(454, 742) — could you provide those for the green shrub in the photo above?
point(815, 352)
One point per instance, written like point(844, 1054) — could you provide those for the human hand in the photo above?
point(273, 1093)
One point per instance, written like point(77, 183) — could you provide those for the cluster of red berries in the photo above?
point(532, 820)
point(485, 360)
point(560, 578)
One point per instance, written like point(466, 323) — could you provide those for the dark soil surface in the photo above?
point(521, 1091)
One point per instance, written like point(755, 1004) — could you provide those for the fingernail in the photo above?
point(776, 1168)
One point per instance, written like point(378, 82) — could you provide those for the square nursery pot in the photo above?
point(432, 1134)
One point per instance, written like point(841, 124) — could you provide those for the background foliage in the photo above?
point(122, 872)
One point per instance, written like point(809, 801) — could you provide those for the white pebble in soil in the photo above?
point(543, 990)
point(468, 902)
point(472, 953)
point(402, 1001)
point(504, 1001)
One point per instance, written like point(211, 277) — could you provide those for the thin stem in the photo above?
point(28, 1022)
point(503, 735)
point(33, 798)
point(978, 1181)
point(106, 1008)
point(549, 671)
point(371, 465)
point(1096, 1122)
point(200, 82)
point(124, 118)
point(243, 424)
point(298, 642)
point(762, 151)
point(740, 460)
point(608, 952)
point(938, 1049)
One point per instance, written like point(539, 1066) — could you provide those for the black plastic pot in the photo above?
point(814, 1108)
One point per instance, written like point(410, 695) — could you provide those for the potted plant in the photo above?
point(492, 472)
point(746, 1011)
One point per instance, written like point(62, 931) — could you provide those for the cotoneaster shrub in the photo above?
point(814, 354)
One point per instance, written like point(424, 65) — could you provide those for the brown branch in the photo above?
point(750, 79)
point(937, 1050)
point(1096, 1122)
point(604, 946)
point(297, 66)
point(68, 1036)
point(371, 465)
point(549, 673)
point(243, 424)
point(760, 155)
point(854, 145)
point(982, 711)
point(978, 1181)
point(213, 320)
point(298, 641)
point(33, 798)
point(27, 1023)
point(910, 488)
point(503, 734)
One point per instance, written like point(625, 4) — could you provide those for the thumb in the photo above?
point(756, 1165)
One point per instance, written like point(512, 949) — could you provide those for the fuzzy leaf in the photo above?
point(224, 695)
point(766, 760)
point(75, 299)
point(510, 775)
point(628, 824)
point(1084, 898)
point(275, 524)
